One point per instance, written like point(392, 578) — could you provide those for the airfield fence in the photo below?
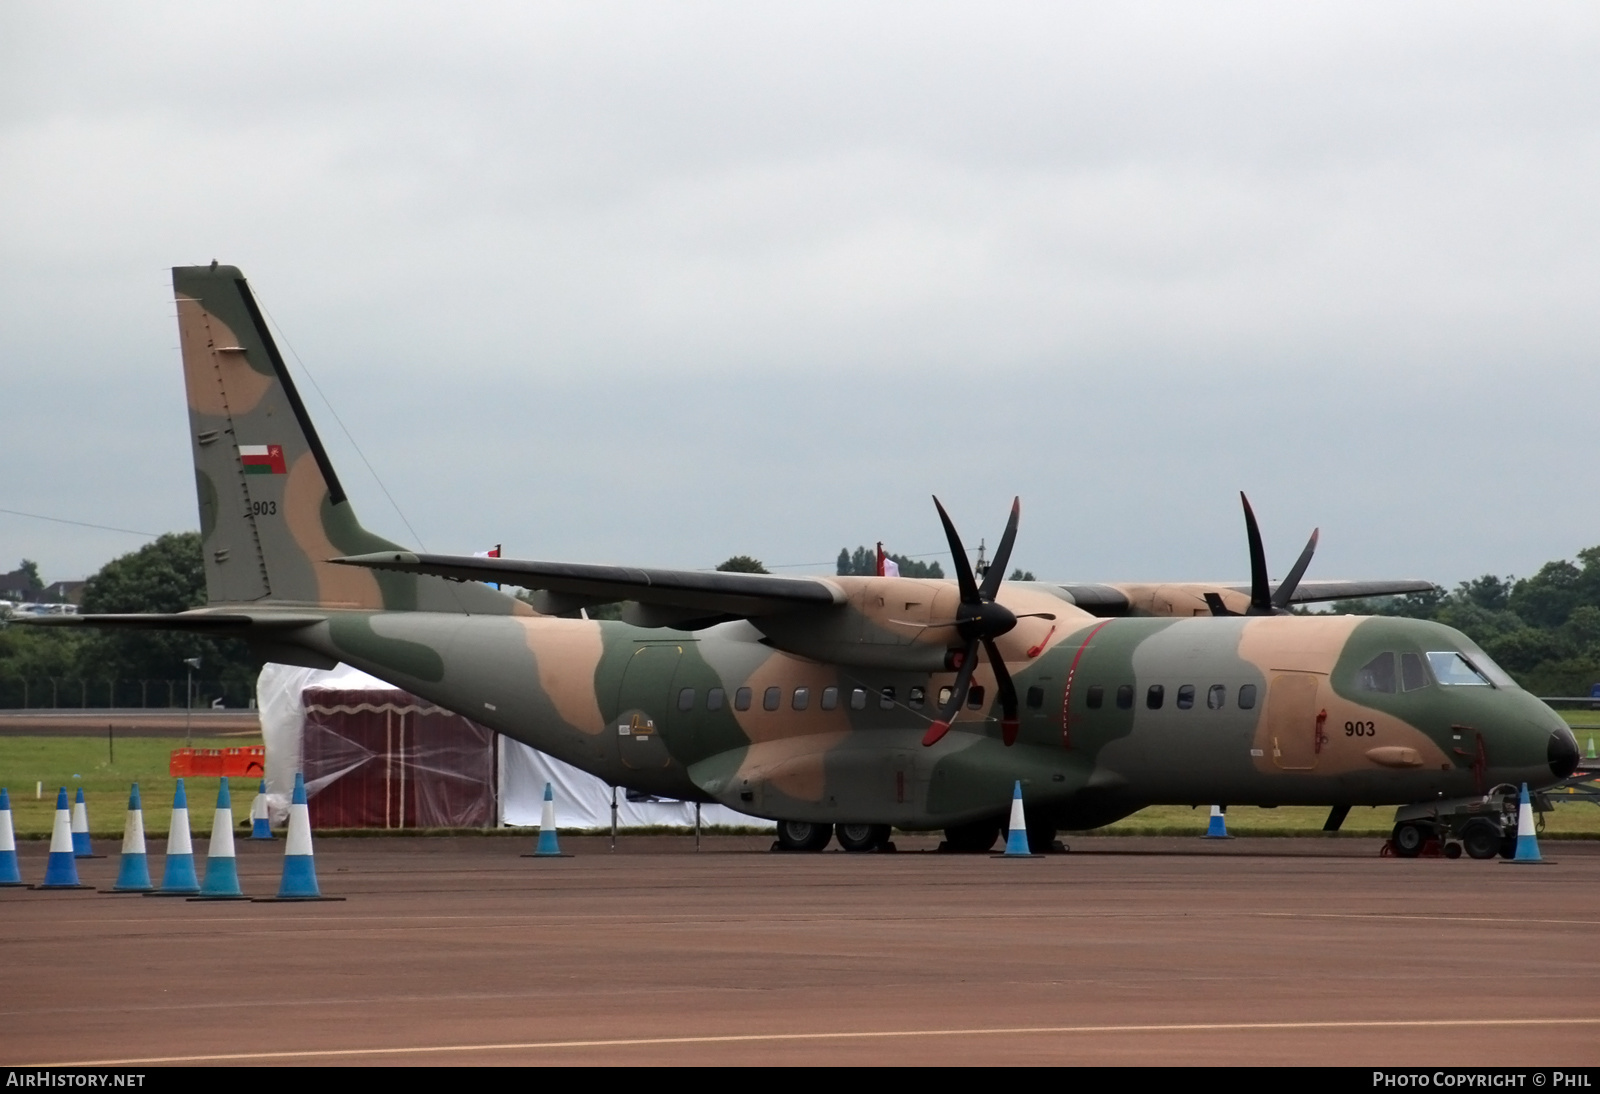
point(91, 693)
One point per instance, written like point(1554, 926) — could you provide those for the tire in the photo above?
point(1481, 839)
point(1408, 839)
point(1041, 838)
point(1452, 850)
point(861, 837)
point(972, 838)
point(803, 835)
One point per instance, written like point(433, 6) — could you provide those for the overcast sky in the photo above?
point(661, 283)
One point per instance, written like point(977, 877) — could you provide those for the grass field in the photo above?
point(85, 761)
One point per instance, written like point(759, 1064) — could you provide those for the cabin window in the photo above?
point(1412, 675)
point(771, 699)
point(1452, 669)
point(714, 698)
point(1186, 697)
point(802, 698)
point(1097, 695)
point(1377, 674)
point(1247, 696)
point(830, 698)
point(1035, 698)
point(975, 696)
point(886, 699)
point(741, 699)
point(1155, 696)
point(1125, 697)
point(858, 698)
point(916, 697)
point(1216, 697)
point(686, 699)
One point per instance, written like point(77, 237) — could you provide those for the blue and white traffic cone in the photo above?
point(80, 828)
point(260, 821)
point(222, 865)
point(1218, 828)
point(61, 871)
point(547, 825)
point(134, 874)
point(1017, 832)
point(299, 866)
point(10, 873)
point(1527, 843)
point(178, 877)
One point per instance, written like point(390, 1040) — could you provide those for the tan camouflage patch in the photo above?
point(337, 586)
point(220, 381)
point(794, 766)
point(567, 652)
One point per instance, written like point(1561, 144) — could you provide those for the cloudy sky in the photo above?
point(662, 283)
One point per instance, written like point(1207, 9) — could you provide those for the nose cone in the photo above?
point(1562, 752)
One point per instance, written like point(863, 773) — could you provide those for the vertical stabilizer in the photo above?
point(272, 510)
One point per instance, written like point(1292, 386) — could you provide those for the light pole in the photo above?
point(188, 702)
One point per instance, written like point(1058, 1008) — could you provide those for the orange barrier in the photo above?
point(245, 762)
point(214, 762)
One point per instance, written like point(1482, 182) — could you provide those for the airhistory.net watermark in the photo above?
point(51, 1078)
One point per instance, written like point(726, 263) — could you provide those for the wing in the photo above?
point(1183, 598)
point(668, 597)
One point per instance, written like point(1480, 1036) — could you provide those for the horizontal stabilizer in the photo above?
point(179, 621)
point(711, 592)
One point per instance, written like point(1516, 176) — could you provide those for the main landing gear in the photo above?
point(810, 836)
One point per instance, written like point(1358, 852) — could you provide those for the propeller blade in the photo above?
point(1002, 554)
point(1008, 693)
point(958, 695)
point(964, 580)
point(1214, 602)
point(1284, 592)
point(1260, 593)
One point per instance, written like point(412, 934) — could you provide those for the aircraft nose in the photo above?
point(1562, 753)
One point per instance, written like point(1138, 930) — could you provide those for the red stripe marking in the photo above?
point(1066, 694)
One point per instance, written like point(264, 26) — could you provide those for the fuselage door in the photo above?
point(1293, 731)
point(644, 705)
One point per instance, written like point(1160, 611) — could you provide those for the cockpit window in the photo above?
point(1411, 675)
point(1452, 669)
point(1482, 662)
point(1377, 674)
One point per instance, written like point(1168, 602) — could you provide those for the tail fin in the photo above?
point(272, 511)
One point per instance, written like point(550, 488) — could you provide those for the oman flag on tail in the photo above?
point(262, 459)
point(887, 567)
point(493, 552)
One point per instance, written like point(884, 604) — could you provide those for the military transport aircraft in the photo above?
point(839, 706)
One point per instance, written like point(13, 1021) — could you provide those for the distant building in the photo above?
point(18, 586)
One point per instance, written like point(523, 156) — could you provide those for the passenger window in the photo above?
point(1247, 696)
point(1035, 698)
point(714, 698)
point(1155, 696)
point(1097, 695)
point(830, 698)
point(858, 698)
point(886, 699)
point(916, 696)
point(1411, 675)
point(1217, 697)
point(1125, 697)
point(975, 696)
point(1377, 674)
point(771, 699)
point(741, 699)
point(802, 698)
point(1186, 697)
point(686, 699)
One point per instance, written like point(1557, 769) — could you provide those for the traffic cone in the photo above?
point(1218, 828)
point(1527, 843)
point(80, 829)
point(299, 866)
point(1017, 832)
point(1591, 755)
point(222, 867)
point(260, 822)
point(61, 871)
point(134, 874)
point(548, 847)
point(10, 874)
point(178, 877)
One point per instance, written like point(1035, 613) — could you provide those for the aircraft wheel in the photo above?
point(972, 838)
point(803, 835)
point(1481, 839)
point(1408, 839)
point(861, 837)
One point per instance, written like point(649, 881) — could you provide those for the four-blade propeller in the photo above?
point(979, 621)
point(1265, 600)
